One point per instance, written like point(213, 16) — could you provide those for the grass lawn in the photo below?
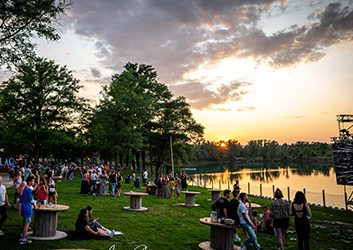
point(165, 225)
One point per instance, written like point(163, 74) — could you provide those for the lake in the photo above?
point(312, 180)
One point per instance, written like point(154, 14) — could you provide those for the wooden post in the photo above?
point(260, 189)
point(345, 198)
point(304, 191)
point(220, 186)
point(228, 185)
point(288, 193)
point(212, 183)
point(248, 188)
point(323, 198)
point(273, 190)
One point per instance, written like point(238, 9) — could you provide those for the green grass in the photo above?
point(166, 225)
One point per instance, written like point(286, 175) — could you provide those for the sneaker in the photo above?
point(110, 234)
point(25, 241)
point(117, 233)
point(1, 233)
point(237, 238)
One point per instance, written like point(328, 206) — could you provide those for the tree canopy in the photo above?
point(21, 20)
point(40, 107)
point(138, 113)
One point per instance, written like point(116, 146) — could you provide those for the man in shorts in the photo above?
point(25, 209)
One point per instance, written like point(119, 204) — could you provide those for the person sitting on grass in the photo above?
point(83, 226)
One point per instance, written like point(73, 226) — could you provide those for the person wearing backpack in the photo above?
point(221, 205)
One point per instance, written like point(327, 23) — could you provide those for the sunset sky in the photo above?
point(250, 69)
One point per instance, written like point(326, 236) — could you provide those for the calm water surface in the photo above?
point(312, 180)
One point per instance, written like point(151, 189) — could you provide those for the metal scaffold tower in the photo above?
point(343, 155)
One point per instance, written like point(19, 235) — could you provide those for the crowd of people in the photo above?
point(275, 218)
point(34, 184)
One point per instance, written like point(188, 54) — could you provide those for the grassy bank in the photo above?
point(166, 225)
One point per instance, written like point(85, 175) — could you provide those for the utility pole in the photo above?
point(171, 153)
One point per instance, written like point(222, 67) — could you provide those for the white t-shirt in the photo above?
point(2, 195)
point(241, 210)
point(145, 175)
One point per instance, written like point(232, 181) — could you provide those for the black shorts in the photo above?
point(281, 223)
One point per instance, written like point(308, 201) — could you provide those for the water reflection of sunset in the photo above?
point(296, 179)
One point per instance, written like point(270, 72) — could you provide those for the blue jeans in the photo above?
point(113, 186)
point(252, 236)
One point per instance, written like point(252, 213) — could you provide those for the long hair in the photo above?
point(82, 214)
point(299, 198)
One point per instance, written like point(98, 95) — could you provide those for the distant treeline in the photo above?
point(260, 151)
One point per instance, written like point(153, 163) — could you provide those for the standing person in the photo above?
point(233, 212)
point(17, 182)
point(302, 214)
point(184, 184)
point(53, 194)
point(280, 213)
point(94, 181)
point(177, 186)
point(246, 223)
point(104, 179)
point(233, 207)
point(4, 201)
point(25, 209)
point(236, 186)
point(84, 182)
point(145, 176)
point(112, 182)
point(119, 179)
point(42, 191)
point(222, 205)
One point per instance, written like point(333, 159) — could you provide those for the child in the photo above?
point(255, 220)
point(268, 221)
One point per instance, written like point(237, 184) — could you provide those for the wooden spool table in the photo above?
point(254, 205)
point(215, 194)
point(45, 222)
point(189, 199)
point(135, 201)
point(222, 236)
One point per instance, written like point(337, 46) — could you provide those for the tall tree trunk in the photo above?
point(143, 159)
point(138, 160)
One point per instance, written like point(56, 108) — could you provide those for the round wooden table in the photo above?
point(45, 222)
point(189, 199)
point(215, 194)
point(135, 201)
point(255, 205)
point(221, 238)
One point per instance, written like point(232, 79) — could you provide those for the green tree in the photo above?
point(137, 113)
point(128, 104)
point(174, 119)
point(38, 103)
point(21, 20)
